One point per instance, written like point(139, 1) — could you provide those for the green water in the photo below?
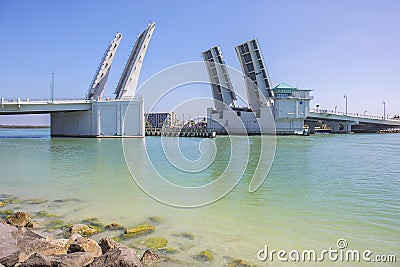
point(320, 188)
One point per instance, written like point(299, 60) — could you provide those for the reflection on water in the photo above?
point(320, 188)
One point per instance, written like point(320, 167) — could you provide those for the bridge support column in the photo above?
point(340, 126)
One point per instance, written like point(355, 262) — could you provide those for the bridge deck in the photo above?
point(357, 118)
point(10, 107)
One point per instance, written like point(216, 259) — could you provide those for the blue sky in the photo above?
point(331, 47)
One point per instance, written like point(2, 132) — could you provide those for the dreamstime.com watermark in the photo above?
point(340, 253)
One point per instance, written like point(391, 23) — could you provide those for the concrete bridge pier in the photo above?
point(340, 126)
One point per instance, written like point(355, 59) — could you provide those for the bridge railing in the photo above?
point(49, 100)
point(39, 100)
point(326, 111)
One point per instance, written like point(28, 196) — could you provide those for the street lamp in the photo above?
point(335, 109)
point(384, 110)
point(345, 97)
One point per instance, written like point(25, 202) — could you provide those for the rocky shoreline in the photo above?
point(25, 241)
point(20, 246)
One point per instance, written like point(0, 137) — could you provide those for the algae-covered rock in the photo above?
point(35, 201)
point(239, 263)
point(55, 224)
point(186, 235)
point(83, 229)
point(156, 219)
point(114, 226)
point(204, 256)
point(95, 222)
point(168, 250)
point(14, 201)
point(64, 200)
point(139, 230)
point(2, 204)
point(11, 200)
point(19, 219)
point(33, 225)
point(6, 212)
point(156, 243)
point(44, 213)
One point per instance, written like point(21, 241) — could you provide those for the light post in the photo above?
point(384, 110)
point(335, 109)
point(52, 87)
point(345, 97)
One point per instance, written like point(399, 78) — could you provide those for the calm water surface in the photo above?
point(320, 188)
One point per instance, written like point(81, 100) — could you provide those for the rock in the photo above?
point(18, 244)
point(149, 258)
point(156, 243)
point(4, 213)
point(2, 221)
point(83, 229)
point(156, 219)
point(35, 201)
point(141, 229)
point(10, 260)
point(114, 226)
point(116, 238)
point(94, 222)
point(121, 256)
point(186, 235)
point(67, 200)
point(56, 224)
point(32, 225)
point(107, 244)
point(239, 263)
point(204, 256)
point(2, 204)
point(168, 250)
point(67, 260)
point(44, 213)
point(19, 219)
point(77, 243)
point(28, 245)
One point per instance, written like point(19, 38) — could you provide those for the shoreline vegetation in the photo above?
point(2, 126)
point(40, 238)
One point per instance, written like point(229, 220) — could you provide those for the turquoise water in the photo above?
point(320, 188)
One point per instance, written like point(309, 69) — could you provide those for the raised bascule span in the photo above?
point(221, 85)
point(128, 82)
point(98, 85)
point(255, 73)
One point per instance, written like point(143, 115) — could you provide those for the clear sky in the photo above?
point(332, 47)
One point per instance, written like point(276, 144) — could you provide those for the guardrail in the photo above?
point(332, 112)
point(39, 100)
point(55, 100)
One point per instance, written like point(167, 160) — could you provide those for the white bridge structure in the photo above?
point(289, 106)
point(95, 116)
point(340, 122)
